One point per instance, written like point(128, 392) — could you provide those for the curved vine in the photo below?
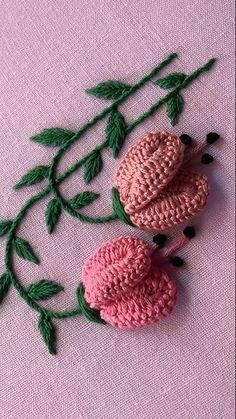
point(116, 131)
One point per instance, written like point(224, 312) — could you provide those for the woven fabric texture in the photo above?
point(50, 52)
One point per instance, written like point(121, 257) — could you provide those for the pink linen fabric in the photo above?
point(182, 367)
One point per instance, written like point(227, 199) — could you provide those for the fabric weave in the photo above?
point(50, 52)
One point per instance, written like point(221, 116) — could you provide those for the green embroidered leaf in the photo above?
point(172, 80)
point(47, 331)
point(43, 289)
point(53, 136)
point(111, 89)
point(92, 166)
point(5, 226)
point(115, 131)
point(24, 250)
point(82, 199)
point(52, 214)
point(33, 176)
point(90, 314)
point(4, 285)
point(174, 108)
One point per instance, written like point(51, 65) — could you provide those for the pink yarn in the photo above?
point(123, 281)
point(156, 187)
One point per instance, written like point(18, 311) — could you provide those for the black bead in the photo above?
point(212, 137)
point(177, 261)
point(207, 158)
point(185, 139)
point(189, 232)
point(160, 239)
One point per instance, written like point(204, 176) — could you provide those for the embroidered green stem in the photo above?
point(55, 160)
point(31, 201)
point(10, 227)
point(9, 266)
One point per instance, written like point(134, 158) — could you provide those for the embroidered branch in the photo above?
point(116, 131)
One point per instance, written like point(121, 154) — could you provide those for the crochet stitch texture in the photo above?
point(116, 130)
point(155, 187)
point(123, 281)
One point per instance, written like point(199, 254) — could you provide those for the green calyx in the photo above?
point(88, 312)
point(117, 129)
point(118, 208)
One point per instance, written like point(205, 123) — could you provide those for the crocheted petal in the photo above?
point(182, 199)
point(147, 168)
point(114, 269)
point(149, 302)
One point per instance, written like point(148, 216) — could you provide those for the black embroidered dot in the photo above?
point(189, 232)
point(186, 139)
point(212, 137)
point(92, 165)
point(177, 261)
point(207, 158)
point(160, 239)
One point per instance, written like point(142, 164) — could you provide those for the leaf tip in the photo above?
point(47, 331)
point(16, 186)
point(34, 259)
point(212, 61)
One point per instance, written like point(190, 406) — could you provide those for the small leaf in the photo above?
point(43, 289)
point(4, 285)
point(47, 331)
point(88, 312)
point(24, 250)
point(5, 226)
point(53, 136)
point(174, 108)
point(115, 131)
point(33, 176)
point(172, 80)
point(111, 89)
point(52, 214)
point(82, 199)
point(92, 166)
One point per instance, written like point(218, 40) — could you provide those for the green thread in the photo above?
point(110, 89)
point(91, 314)
point(115, 131)
point(82, 199)
point(92, 165)
point(48, 332)
point(171, 80)
point(43, 289)
point(52, 214)
point(5, 227)
point(10, 271)
point(118, 208)
point(35, 175)
point(174, 107)
point(4, 286)
point(24, 250)
point(53, 137)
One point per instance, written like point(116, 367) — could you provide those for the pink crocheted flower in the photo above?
point(156, 187)
point(122, 281)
